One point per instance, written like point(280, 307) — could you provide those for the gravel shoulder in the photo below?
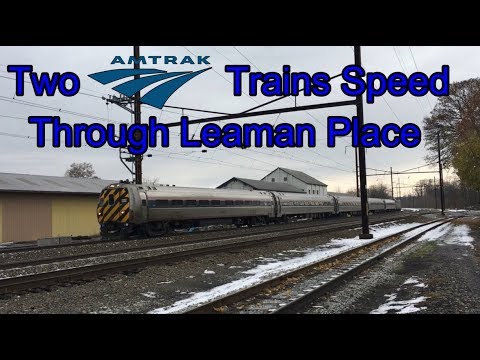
point(438, 274)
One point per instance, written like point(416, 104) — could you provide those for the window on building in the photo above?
point(317, 192)
point(273, 179)
point(285, 178)
point(309, 191)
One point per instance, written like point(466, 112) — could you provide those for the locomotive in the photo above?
point(130, 209)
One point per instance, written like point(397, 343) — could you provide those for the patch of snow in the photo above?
point(456, 210)
point(411, 280)
point(220, 264)
point(263, 272)
point(411, 209)
point(421, 285)
point(165, 282)
point(150, 295)
point(209, 272)
point(436, 233)
point(414, 280)
point(400, 307)
point(460, 236)
point(235, 267)
point(450, 234)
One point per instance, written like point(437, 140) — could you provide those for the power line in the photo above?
point(415, 62)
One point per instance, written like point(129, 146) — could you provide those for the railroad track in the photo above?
point(61, 270)
point(55, 258)
point(292, 291)
point(82, 243)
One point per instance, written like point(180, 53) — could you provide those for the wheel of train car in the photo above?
point(156, 230)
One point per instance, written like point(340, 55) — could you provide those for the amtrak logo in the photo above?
point(156, 97)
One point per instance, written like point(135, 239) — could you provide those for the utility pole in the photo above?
point(435, 189)
point(361, 152)
point(391, 180)
point(137, 114)
point(440, 170)
point(399, 192)
point(356, 171)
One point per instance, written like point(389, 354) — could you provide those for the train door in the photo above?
point(144, 199)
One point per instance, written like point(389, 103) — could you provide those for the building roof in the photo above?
point(264, 185)
point(51, 184)
point(303, 177)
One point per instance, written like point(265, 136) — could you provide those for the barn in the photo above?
point(36, 207)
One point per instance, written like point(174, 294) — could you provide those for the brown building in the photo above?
point(34, 207)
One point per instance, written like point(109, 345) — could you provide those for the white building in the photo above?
point(298, 179)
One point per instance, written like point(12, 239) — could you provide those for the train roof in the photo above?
point(185, 191)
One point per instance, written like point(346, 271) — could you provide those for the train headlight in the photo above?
point(99, 213)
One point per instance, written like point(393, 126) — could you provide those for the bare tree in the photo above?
point(352, 191)
point(378, 191)
point(155, 181)
point(81, 170)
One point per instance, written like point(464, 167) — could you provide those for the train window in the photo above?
point(228, 202)
point(256, 203)
point(203, 202)
point(177, 202)
point(144, 202)
point(239, 202)
point(190, 202)
point(215, 202)
point(101, 202)
point(161, 202)
point(111, 200)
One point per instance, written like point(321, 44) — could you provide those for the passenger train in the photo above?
point(129, 209)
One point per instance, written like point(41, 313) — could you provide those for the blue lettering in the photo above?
point(184, 141)
point(117, 60)
point(41, 121)
point(237, 76)
point(332, 130)
point(20, 71)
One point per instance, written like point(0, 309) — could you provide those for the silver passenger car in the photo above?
point(292, 204)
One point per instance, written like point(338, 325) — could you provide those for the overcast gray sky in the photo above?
point(213, 91)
